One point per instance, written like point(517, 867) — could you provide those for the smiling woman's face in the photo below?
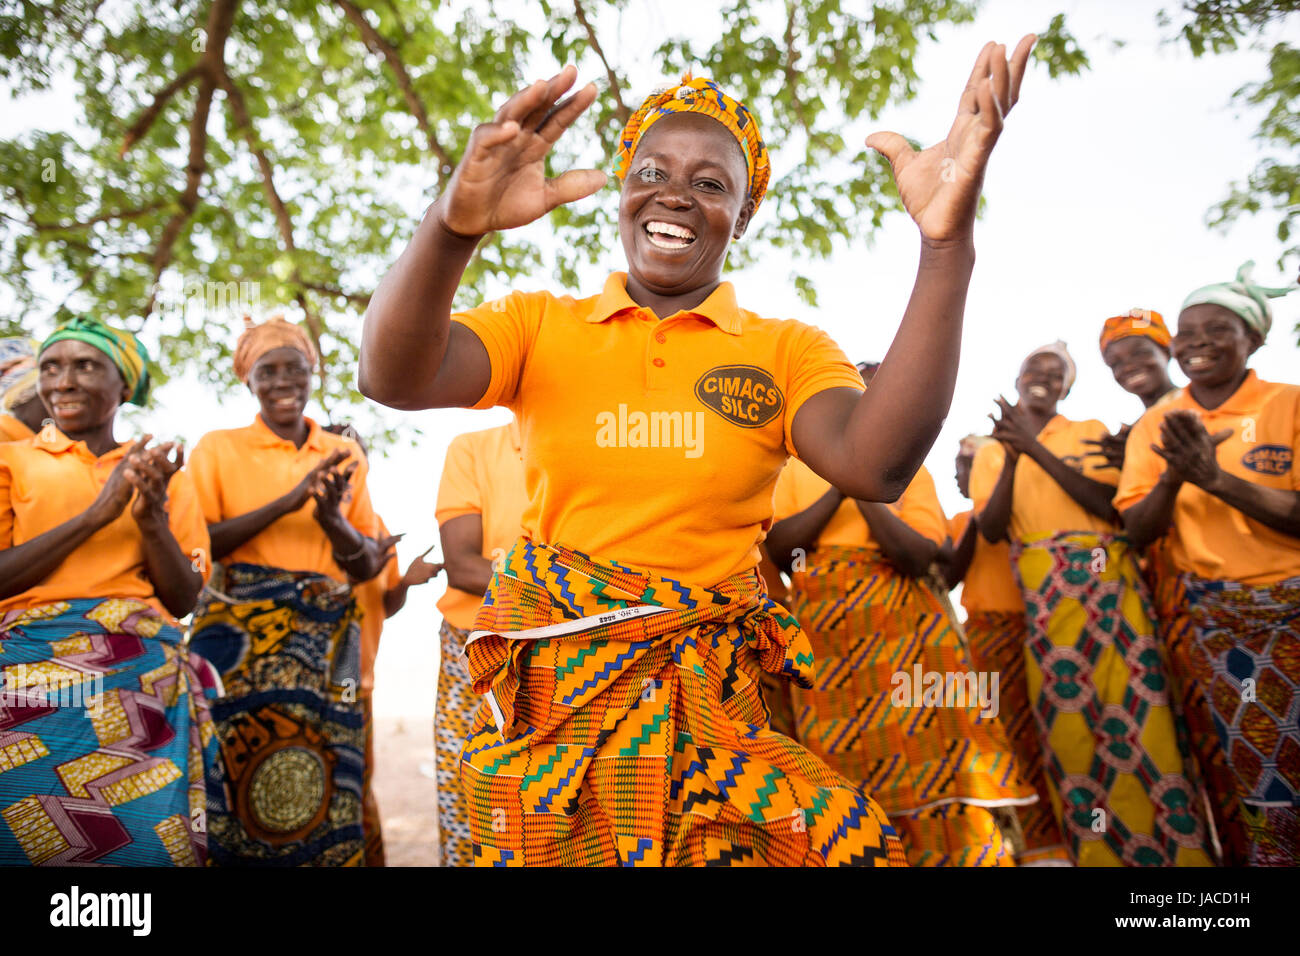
point(683, 201)
point(1041, 383)
point(281, 381)
point(1138, 364)
point(80, 386)
point(1212, 345)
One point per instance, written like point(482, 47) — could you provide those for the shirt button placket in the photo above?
point(656, 378)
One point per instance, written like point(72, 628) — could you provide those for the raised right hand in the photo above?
point(501, 181)
point(117, 491)
point(303, 490)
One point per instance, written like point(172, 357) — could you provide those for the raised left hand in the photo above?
point(148, 471)
point(330, 489)
point(940, 186)
point(1012, 428)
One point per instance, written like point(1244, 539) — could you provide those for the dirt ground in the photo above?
point(407, 797)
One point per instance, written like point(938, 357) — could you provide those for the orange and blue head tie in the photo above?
point(1142, 322)
point(700, 96)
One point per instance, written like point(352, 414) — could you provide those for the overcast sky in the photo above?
point(1097, 194)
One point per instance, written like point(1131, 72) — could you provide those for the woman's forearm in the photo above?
point(1152, 516)
point(958, 563)
point(801, 531)
point(355, 553)
point(24, 566)
point(468, 572)
point(408, 321)
point(1094, 496)
point(996, 516)
point(228, 535)
point(1278, 508)
point(906, 549)
point(169, 568)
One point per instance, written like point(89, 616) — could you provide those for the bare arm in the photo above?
point(906, 549)
point(462, 547)
point(1151, 517)
point(996, 516)
point(174, 579)
point(1094, 496)
point(800, 531)
point(956, 560)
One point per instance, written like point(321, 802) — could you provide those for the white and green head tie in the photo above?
point(1242, 297)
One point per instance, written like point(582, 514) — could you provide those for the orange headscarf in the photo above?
point(256, 340)
point(1136, 322)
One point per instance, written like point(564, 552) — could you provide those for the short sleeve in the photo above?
point(785, 500)
point(458, 491)
point(6, 506)
point(957, 525)
point(816, 364)
point(1142, 466)
point(919, 508)
point(188, 525)
point(507, 327)
point(202, 467)
point(984, 473)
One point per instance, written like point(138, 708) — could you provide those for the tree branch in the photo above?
point(101, 217)
point(791, 75)
point(620, 108)
point(145, 120)
point(375, 43)
point(358, 298)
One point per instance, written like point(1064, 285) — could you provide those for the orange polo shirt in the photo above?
point(370, 597)
point(1213, 539)
point(49, 479)
point(990, 584)
point(238, 470)
point(483, 475)
point(11, 429)
point(918, 507)
point(654, 442)
point(1038, 504)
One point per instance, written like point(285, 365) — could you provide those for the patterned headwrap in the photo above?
point(256, 340)
point(1136, 322)
point(1058, 349)
point(17, 370)
point(123, 349)
point(1243, 297)
point(969, 445)
point(700, 96)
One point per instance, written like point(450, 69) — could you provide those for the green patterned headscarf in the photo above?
point(123, 349)
point(1242, 297)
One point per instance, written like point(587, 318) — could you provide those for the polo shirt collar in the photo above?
point(720, 307)
point(269, 439)
point(1245, 400)
point(1054, 424)
point(52, 440)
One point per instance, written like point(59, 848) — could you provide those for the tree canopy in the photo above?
point(249, 154)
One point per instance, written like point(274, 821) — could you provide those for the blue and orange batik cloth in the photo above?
point(105, 737)
point(623, 725)
point(1251, 638)
point(292, 725)
point(939, 762)
point(1100, 692)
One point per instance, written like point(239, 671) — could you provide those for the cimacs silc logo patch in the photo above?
point(742, 394)
point(1268, 459)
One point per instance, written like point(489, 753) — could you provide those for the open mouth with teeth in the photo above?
point(666, 235)
point(1038, 391)
point(1197, 362)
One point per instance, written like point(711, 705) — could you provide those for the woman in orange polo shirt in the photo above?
point(1097, 680)
point(896, 705)
point(995, 633)
point(290, 517)
point(21, 411)
point(1217, 465)
point(1136, 348)
point(107, 738)
point(619, 642)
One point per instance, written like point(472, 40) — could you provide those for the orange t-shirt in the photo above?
point(238, 470)
point(483, 475)
point(49, 479)
point(370, 598)
point(11, 429)
point(1213, 539)
point(653, 442)
point(918, 507)
point(1038, 504)
point(989, 584)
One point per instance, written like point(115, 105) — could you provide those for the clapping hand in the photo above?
point(330, 489)
point(1111, 447)
point(1012, 428)
point(1190, 451)
point(940, 186)
point(421, 571)
point(148, 471)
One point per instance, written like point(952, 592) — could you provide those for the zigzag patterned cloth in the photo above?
point(1100, 694)
point(871, 629)
point(997, 643)
point(451, 725)
point(1190, 675)
point(292, 725)
point(623, 725)
point(1251, 637)
point(105, 736)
